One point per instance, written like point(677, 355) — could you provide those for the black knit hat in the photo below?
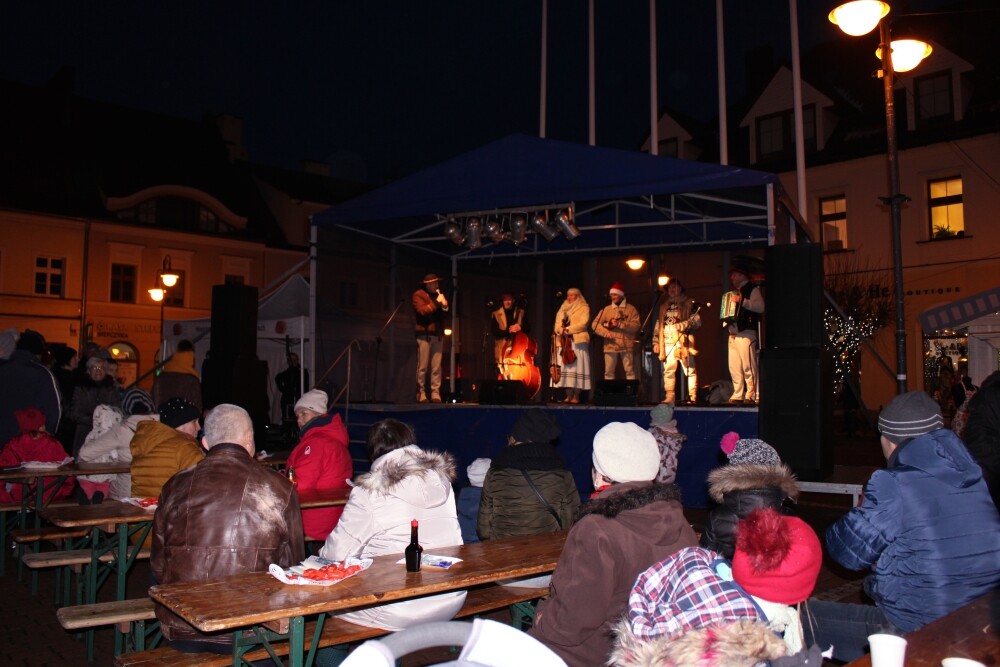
point(31, 341)
point(177, 412)
point(909, 416)
point(535, 425)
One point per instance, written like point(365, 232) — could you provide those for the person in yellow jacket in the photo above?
point(162, 448)
point(179, 378)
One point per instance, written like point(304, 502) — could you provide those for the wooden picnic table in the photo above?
point(323, 498)
point(972, 631)
point(256, 599)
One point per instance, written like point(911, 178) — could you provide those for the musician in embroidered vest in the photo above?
point(673, 341)
point(618, 324)
point(743, 344)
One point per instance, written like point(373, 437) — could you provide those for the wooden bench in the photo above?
point(128, 616)
point(853, 490)
point(35, 536)
point(72, 561)
point(13, 517)
point(480, 600)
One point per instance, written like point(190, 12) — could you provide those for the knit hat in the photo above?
point(661, 415)
point(29, 419)
point(32, 341)
point(137, 401)
point(535, 425)
point(617, 289)
point(748, 450)
point(477, 471)
point(908, 416)
point(63, 356)
point(177, 412)
point(624, 452)
point(431, 278)
point(777, 557)
point(315, 400)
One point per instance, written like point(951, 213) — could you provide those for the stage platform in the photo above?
point(470, 431)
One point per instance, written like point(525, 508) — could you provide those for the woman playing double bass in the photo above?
point(570, 331)
point(506, 321)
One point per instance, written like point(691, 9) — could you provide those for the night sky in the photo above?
point(380, 89)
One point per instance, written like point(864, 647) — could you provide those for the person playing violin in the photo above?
point(506, 321)
point(618, 323)
point(570, 333)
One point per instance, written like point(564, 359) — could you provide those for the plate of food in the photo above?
point(316, 571)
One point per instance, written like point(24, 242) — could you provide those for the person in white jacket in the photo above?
point(405, 483)
point(112, 446)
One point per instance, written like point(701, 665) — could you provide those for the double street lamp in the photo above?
point(858, 18)
point(166, 279)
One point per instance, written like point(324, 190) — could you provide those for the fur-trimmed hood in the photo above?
point(745, 476)
point(742, 643)
point(391, 473)
point(629, 496)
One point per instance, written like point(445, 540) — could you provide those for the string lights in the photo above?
point(844, 338)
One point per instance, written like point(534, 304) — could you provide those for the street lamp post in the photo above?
point(166, 278)
point(869, 14)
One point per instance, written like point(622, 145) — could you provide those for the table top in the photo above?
point(970, 632)
point(68, 470)
point(323, 498)
point(108, 513)
point(251, 599)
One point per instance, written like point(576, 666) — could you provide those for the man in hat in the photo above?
point(673, 340)
point(617, 323)
point(743, 345)
point(162, 448)
point(927, 528)
point(429, 307)
point(630, 523)
point(26, 383)
point(506, 321)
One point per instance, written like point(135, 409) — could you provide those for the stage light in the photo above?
point(495, 231)
point(565, 224)
point(518, 229)
point(635, 263)
point(474, 229)
point(454, 232)
point(662, 280)
point(538, 223)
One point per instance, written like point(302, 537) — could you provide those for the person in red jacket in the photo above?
point(321, 460)
point(33, 444)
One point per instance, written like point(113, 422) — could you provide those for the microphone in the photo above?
point(560, 295)
point(490, 303)
point(438, 291)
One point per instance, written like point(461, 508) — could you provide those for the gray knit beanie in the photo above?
point(908, 416)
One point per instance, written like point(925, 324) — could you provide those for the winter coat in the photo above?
point(322, 463)
point(621, 532)
point(86, 397)
point(404, 484)
point(622, 337)
point(25, 383)
point(741, 488)
point(467, 505)
point(509, 507)
point(578, 314)
point(179, 379)
point(741, 643)
point(428, 314)
point(35, 446)
point(669, 441)
point(982, 435)
point(158, 452)
point(227, 515)
point(113, 447)
point(927, 528)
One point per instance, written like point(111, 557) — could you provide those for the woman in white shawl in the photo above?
point(572, 318)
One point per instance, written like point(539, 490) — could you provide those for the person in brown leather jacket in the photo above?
point(227, 515)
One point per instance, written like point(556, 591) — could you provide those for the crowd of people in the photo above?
point(635, 584)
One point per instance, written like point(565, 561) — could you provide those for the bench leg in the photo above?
point(522, 615)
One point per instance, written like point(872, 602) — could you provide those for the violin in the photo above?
point(567, 355)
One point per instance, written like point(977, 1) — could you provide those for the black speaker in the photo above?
point(242, 382)
point(794, 417)
point(794, 296)
point(234, 321)
point(617, 392)
point(503, 392)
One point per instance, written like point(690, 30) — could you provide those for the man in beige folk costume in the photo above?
point(673, 341)
point(618, 323)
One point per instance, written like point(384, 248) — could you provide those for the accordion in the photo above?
point(729, 310)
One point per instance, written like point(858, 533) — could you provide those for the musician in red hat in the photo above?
point(743, 344)
point(618, 323)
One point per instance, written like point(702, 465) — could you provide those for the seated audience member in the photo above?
point(179, 378)
point(33, 444)
point(94, 488)
point(405, 483)
point(528, 489)
point(162, 448)
point(982, 433)
point(227, 515)
point(697, 608)
point(321, 460)
point(469, 496)
point(663, 426)
point(927, 528)
point(95, 388)
point(26, 383)
point(629, 524)
point(754, 479)
point(113, 446)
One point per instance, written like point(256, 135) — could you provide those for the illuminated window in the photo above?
point(946, 208)
point(49, 276)
point(833, 222)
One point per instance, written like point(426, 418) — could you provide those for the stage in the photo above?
point(470, 431)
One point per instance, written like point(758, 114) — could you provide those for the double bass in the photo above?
point(519, 363)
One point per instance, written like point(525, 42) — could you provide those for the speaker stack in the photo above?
point(503, 392)
point(617, 392)
point(795, 371)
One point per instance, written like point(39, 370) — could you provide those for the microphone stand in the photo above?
point(378, 346)
point(642, 331)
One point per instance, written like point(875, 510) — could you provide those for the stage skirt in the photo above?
point(577, 374)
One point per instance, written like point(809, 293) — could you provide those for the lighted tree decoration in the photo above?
point(864, 296)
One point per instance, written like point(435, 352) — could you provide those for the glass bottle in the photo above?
point(413, 550)
point(291, 476)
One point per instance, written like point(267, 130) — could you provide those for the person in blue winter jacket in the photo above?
point(926, 527)
point(467, 503)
